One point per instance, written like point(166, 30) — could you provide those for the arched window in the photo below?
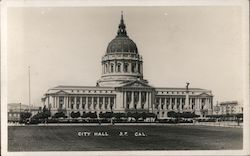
point(125, 67)
point(112, 68)
point(118, 67)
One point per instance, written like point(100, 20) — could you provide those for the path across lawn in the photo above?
point(113, 138)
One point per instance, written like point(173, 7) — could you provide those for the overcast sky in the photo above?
point(64, 46)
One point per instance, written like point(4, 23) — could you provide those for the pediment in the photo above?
point(204, 95)
point(136, 84)
point(61, 92)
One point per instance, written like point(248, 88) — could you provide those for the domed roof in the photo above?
point(122, 43)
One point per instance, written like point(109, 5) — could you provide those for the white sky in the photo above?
point(64, 46)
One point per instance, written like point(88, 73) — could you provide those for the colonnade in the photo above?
point(175, 103)
point(122, 67)
point(91, 103)
point(136, 99)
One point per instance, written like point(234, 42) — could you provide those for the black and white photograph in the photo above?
point(110, 78)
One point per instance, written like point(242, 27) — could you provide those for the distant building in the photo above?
point(228, 107)
point(122, 88)
point(14, 110)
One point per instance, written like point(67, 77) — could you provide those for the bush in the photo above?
point(75, 115)
point(24, 116)
point(59, 115)
point(107, 115)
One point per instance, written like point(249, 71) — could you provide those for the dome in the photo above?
point(122, 44)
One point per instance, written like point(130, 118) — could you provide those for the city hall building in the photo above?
point(122, 88)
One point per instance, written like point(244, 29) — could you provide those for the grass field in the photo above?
point(171, 137)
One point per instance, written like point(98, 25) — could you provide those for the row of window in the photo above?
point(118, 67)
point(172, 92)
point(85, 100)
point(92, 91)
point(13, 114)
point(179, 100)
point(135, 106)
point(95, 106)
point(178, 106)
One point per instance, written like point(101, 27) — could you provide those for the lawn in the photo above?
point(169, 137)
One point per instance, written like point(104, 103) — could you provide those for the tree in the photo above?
point(24, 116)
point(119, 115)
point(75, 115)
point(172, 114)
point(91, 115)
point(84, 115)
point(59, 115)
point(107, 115)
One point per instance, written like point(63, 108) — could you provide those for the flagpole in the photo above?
point(29, 88)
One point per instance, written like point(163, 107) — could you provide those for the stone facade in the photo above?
point(122, 88)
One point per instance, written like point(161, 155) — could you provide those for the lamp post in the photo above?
point(20, 114)
point(187, 96)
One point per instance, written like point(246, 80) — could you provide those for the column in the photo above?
point(207, 103)
point(97, 104)
point(122, 66)
point(196, 103)
point(108, 107)
point(103, 103)
point(139, 101)
point(80, 105)
point(125, 100)
point(48, 102)
point(53, 101)
point(141, 68)
point(165, 103)
point(56, 102)
point(180, 103)
point(115, 102)
point(170, 103)
point(159, 106)
point(74, 103)
point(64, 102)
point(150, 99)
point(175, 103)
point(67, 103)
point(132, 100)
point(199, 103)
point(92, 103)
point(146, 101)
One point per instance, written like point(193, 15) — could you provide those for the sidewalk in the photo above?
point(216, 124)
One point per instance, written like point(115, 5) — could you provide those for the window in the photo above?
point(100, 100)
point(118, 67)
point(112, 68)
point(72, 100)
point(84, 100)
point(95, 100)
point(125, 67)
point(89, 100)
